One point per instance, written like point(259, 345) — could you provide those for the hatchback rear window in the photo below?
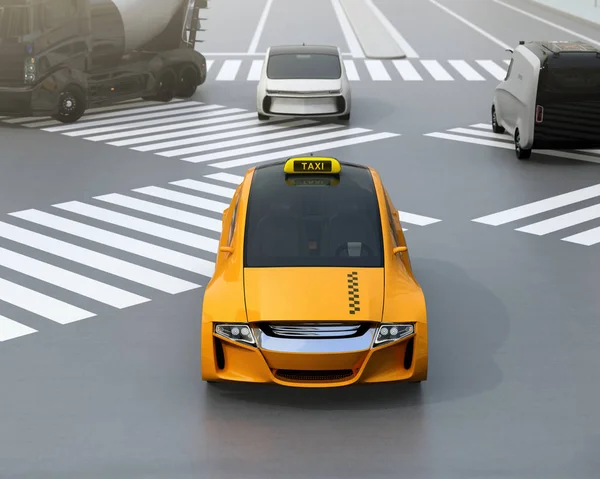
point(304, 66)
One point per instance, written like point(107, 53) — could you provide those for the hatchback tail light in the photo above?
point(539, 114)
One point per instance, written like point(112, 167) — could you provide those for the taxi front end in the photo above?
point(268, 320)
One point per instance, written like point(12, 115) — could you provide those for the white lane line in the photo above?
point(273, 146)
point(10, 329)
point(484, 134)
point(183, 198)
point(494, 69)
point(399, 39)
point(467, 71)
point(259, 28)
point(547, 22)
point(112, 121)
point(406, 70)
point(205, 188)
point(303, 150)
point(93, 259)
point(436, 70)
point(377, 70)
point(418, 220)
point(174, 120)
point(167, 212)
point(351, 71)
point(40, 304)
point(470, 25)
point(563, 221)
point(226, 178)
point(537, 207)
point(351, 39)
point(209, 63)
point(184, 130)
point(70, 281)
point(229, 70)
point(262, 128)
point(117, 241)
point(586, 238)
point(255, 70)
point(474, 141)
point(147, 227)
point(288, 133)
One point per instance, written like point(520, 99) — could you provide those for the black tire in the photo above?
point(262, 117)
point(71, 105)
point(520, 152)
point(167, 84)
point(496, 128)
point(345, 117)
point(187, 83)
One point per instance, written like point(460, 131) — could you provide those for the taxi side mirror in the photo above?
point(399, 249)
point(226, 249)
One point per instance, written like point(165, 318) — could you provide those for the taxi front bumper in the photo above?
point(315, 363)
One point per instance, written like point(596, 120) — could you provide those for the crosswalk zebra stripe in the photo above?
point(226, 178)
point(229, 70)
point(183, 198)
point(377, 70)
point(209, 64)
point(118, 241)
point(418, 220)
point(495, 70)
point(99, 261)
point(563, 221)
point(255, 70)
point(436, 70)
point(204, 187)
point(485, 134)
point(467, 71)
point(143, 226)
point(586, 238)
point(406, 70)
point(10, 329)
point(351, 71)
point(68, 280)
point(274, 146)
point(40, 304)
point(475, 141)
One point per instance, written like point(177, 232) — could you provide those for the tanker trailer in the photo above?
point(61, 57)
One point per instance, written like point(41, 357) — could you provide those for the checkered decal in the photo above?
point(353, 292)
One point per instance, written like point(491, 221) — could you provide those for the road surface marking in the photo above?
point(229, 70)
point(485, 134)
point(418, 220)
point(255, 70)
point(396, 36)
point(183, 198)
point(203, 187)
point(561, 222)
point(351, 39)
point(351, 71)
point(226, 178)
point(406, 70)
point(436, 70)
point(377, 70)
point(475, 141)
point(586, 238)
point(10, 329)
point(209, 63)
point(259, 28)
point(495, 70)
point(467, 71)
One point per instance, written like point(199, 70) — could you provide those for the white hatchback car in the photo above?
point(303, 81)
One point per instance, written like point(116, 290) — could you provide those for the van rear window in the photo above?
point(573, 79)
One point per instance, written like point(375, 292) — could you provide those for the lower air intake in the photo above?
point(296, 375)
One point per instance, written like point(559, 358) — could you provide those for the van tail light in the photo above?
point(539, 114)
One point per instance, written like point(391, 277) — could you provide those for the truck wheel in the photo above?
point(71, 106)
point(167, 84)
point(187, 82)
point(521, 153)
point(496, 128)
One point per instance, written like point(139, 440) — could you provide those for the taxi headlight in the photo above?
point(241, 333)
point(390, 332)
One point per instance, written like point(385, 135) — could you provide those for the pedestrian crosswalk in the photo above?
point(374, 70)
point(198, 133)
point(563, 216)
point(482, 134)
point(116, 250)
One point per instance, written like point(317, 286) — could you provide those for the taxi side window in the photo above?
point(510, 65)
point(232, 224)
point(391, 220)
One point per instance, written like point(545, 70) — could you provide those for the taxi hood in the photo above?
point(314, 294)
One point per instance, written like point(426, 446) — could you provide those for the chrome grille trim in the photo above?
point(314, 330)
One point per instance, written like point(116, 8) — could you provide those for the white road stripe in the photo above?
point(586, 238)
point(10, 329)
point(475, 141)
point(70, 281)
point(229, 70)
point(351, 39)
point(436, 70)
point(99, 261)
point(183, 198)
point(418, 220)
point(467, 71)
point(303, 150)
point(377, 70)
point(495, 70)
point(483, 126)
point(563, 221)
point(274, 146)
point(205, 188)
point(541, 206)
point(407, 71)
point(260, 27)
point(226, 178)
point(351, 71)
point(484, 134)
point(40, 304)
point(399, 39)
point(112, 121)
point(184, 129)
point(221, 136)
point(147, 227)
point(309, 130)
point(113, 114)
point(255, 70)
point(175, 121)
point(507, 62)
point(209, 63)
point(167, 212)
point(114, 240)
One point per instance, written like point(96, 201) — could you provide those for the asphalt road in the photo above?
point(514, 316)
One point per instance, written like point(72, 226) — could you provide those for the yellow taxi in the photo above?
point(313, 285)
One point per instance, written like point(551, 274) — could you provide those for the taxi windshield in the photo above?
point(329, 226)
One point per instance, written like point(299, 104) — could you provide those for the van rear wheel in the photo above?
point(496, 128)
point(522, 154)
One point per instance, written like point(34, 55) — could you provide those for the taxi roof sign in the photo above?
point(311, 165)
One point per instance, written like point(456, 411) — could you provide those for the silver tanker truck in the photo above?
point(61, 57)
